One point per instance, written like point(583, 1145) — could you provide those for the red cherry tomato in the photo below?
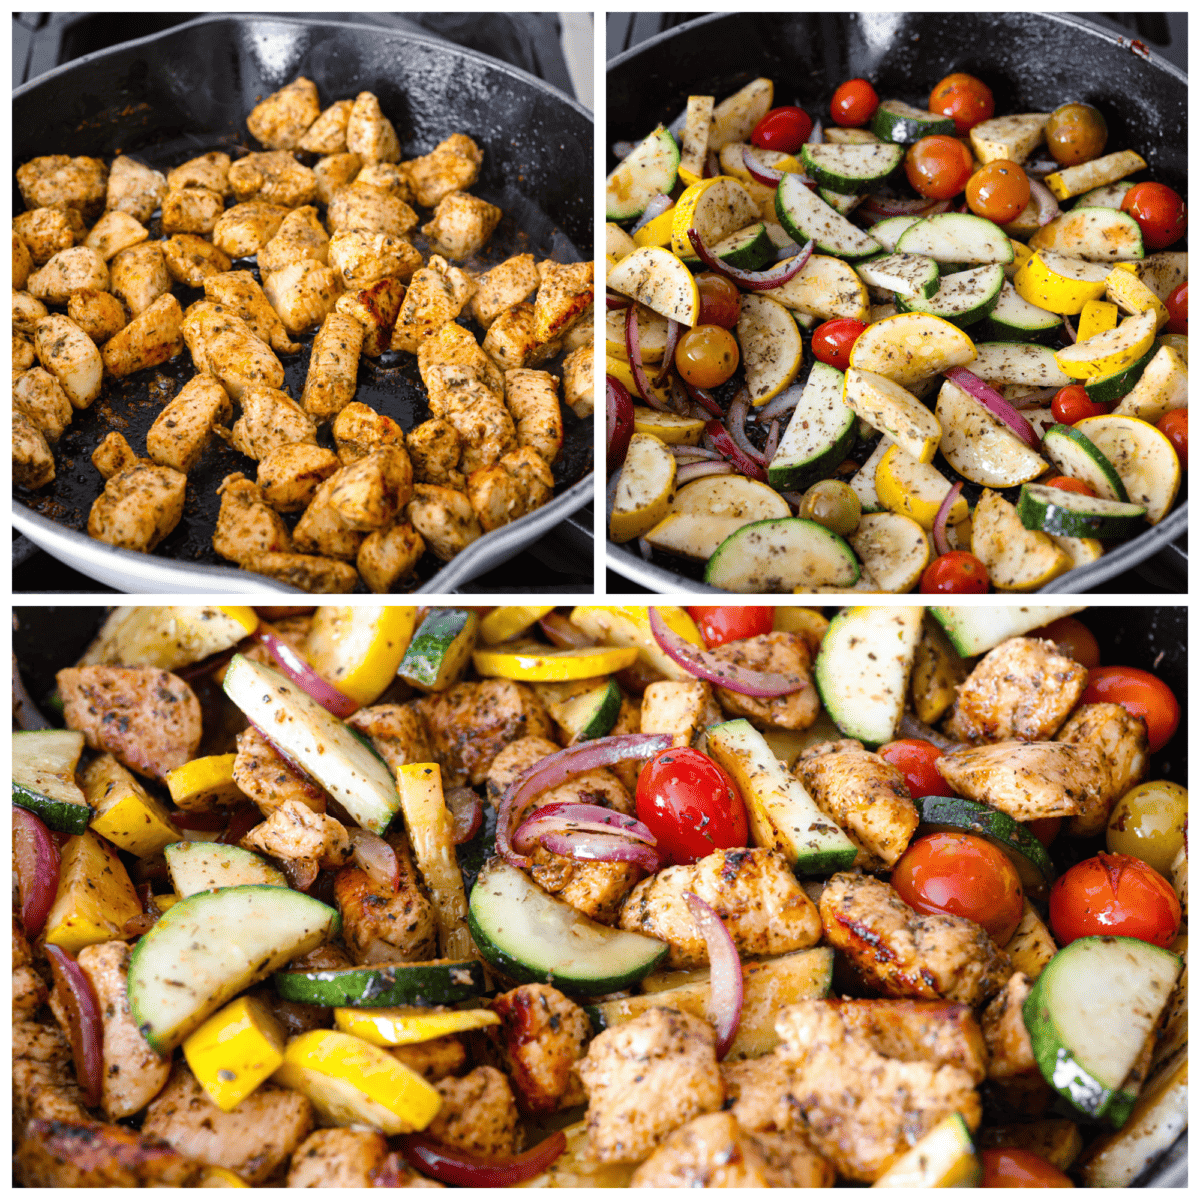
point(1174, 426)
point(1177, 310)
point(964, 876)
point(1009, 1167)
point(998, 191)
point(784, 129)
point(1140, 693)
point(957, 572)
point(1072, 403)
point(720, 300)
point(690, 805)
point(1114, 895)
point(1159, 210)
point(1067, 484)
point(967, 99)
point(1045, 829)
point(1073, 638)
point(915, 759)
point(707, 356)
point(938, 166)
point(854, 103)
point(721, 623)
point(832, 341)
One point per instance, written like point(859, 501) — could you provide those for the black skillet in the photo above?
point(1032, 62)
point(181, 93)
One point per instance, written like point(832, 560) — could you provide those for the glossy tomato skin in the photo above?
point(833, 340)
point(938, 166)
point(957, 573)
point(1177, 310)
point(784, 129)
point(916, 760)
point(690, 805)
point(720, 300)
point(998, 191)
point(854, 103)
point(1076, 133)
point(1072, 403)
point(1067, 484)
point(721, 623)
point(707, 356)
point(1073, 638)
point(1114, 895)
point(1011, 1167)
point(964, 876)
point(1159, 210)
point(1140, 693)
point(1174, 426)
point(967, 99)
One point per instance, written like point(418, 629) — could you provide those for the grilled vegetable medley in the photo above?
point(617, 896)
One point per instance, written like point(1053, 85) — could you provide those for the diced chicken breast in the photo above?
point(684, 709)
point(375, 308)
point(247, 526)
point(138, 507)
point(283, 118)
point(98, 314)
point(320, 529)
point(461, 225)
point(327, 134)
point(209, 170)
point(190, 259)
point(32, 458)
point(222, 344)
point(134, 188)
point(308, 573)
point(435, 296)
point(44, 1086)
point(113, 455)
point(27, 311)
point(511, 341)
point(240, 293)
point(68, 271)
point(300, 237)
point(579, 381)
point(263, 775)
point(496, 497)
point(38, 395)
point(192, 210)
point(364, 258)
point(295, 833)
point(432, 1060)
point(389, 555)
point(270, 419)
point(435, 448)
point(369, 133)
point(59, 180)
point(114, 232)
point(275, 177)
point(184, 428)
point(303, 294)
point(332, 367)
point(542, 1036)
point(1009, 1049)
point(398, 733)
point(83, 1154)
point(153, 336)
point(359, 429)
point(46, 231)
point(289, 475)
point(382, 926)
point(786, 654)
point(22, 260)
point(444, 519)
point(23, 356)
point(245, 229)
point(341, 1158)
point(564, 296)
point(596, 889)
point(371, 210)
point(530, 470)
point(453, 166)
point(478, 1114)
point(506, 284)
point(372, 491)
point(71, 357)
point(533, 401)
point(1120, 739)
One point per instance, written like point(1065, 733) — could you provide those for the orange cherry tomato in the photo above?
point(720, 300)
point(1067, 484)
point(1159, 210)
point(938, 166)
point(854, 103)
point(1045, 829)
point(916, 760)
point(957, 572)
point(833, 340)
point(1009, 1167)
point(998, 191)
point(1177, 310)
point(1140, 693)
point(1074, 639)
point(784, 129)
point(1114, 895)
point(1076, 133)
point(964, 876)
point(721, 623)
point(1174, 426)
point(967, 99)
point(707, 356)
point(1072, 404)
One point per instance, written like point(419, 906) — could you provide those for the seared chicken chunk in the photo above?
point(358, 430)
point(99, 314)
point(276, 177)
point(506, 284)
point(247, 526)
point(266, 777)
point(364, 258)
point(341, 1158)
point(370, 210)
point(785, 653)
point(334, 172)
point(283, 118)
point(320, 529)
point(57, 179)
point(530, 470)
point(327, 134)
point(44, 1086)
point(1120, 738)
point(61, 1153)
point(397, 731)
point(682, 708)
point(270, 419)
point(375, 308)
point(533, 401)
point(511, 341)
point(301, 236)
point(369, 133)
point(113, 455)
point(27, 311)
point(68, 271)
point(22, 260)
point(38, 395)
point(152, 337)
point(32, 458)
point(307, 573)
point(444, 519)
point(71, 357)
point(461, 225)
point(596, 889)
point(23, 356)
point(1009, 1049)
point(389, 555)
point(432, 1060)
point(380, 926)
point(435, 296)
point(371, 492)
point(222, 344)
point(192, 210)
point(140, 276)
point(46, 231)
point(209, 170)
point(388, 177)
point(435, 447)
point(138, 507)
point(190, 259)
point(478, 1114)
point(452, 166)
point(332, 367)
point(542, 1036)
point(303, 294)
point(245, 229)
point(496, 497)
point(295, 833)
point(563, 298)
point(289, 475)
point(579, 381)
point(134, 188)
point(184, 428)
point(114, 232)
point(239, 292)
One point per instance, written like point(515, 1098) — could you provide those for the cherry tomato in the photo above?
point(1114, 895)
point(967, 99)
point(721, 623)
point(1074, 639)
point(854, 103)
point(1149, 822)
point(784, 129)
point(1010, 1167)
point(957, 572)
point(832, 503)
point(1067, 484)
point(707, 356)
point(1045, 829)
point(720, 300)
point(938, 166)
point(916, 759)
point(998, 191)
point(964, 876)
point(1072, 403)
point(1177, 310)
point(1140, 693)
point(832, 341)
point(1174, 426)
point(690, 805)
point(1076, 133)
point(1159, 210)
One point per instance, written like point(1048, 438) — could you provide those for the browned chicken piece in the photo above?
point(38, 395)
point(371, 492)
point(183, 429)
point(388, 177)
point(57, 179)
point(533, 401)
point(452, 166)
point(682, 708)
point(444, 519)
point(435, 296)
point(865, 795)
point(320, 529)
point(435, 447)
point(337, 1158)
point(240, 293)
point(300, 237)
point(332, 367)
point(645, 1079)
point(68, 271)
point(99, 314)
point(432, 1060)
point(84, 1154)
point(327, 134)
point(266, 777)
point(359, 429)
point(303, 294)
point(153, 336)
point(44, 1086)
point(335, 172)
point(375, 308)
point(192, 210)
point(530, 470)
point(397, 731)
point(274, 176)
point(292, 831)
point(133, 188)
point(461, 225)
point(478, 1114)
point(270, 419)
point(191, 260)
point(1030, 780)
point(209, 170)
point(496, 496)
point(470, 723)
point(308, 573)
point(601, 786)
point(369, 210)
point(140, 276)
point(253, 1140)
point(389, 555)
point(369, 133)
point(564, 296)
point(579, 381)
point(46, 231)
point(23, 356)
point(1120, 739)
point(289, 475)
point(247, 526)
point(901, 953)
point(596, 889)
point(113, 455)
point(1008, 1044)
point(28, 993)
point(138, 507)
point(1022, 689)
point(785, 653)
point(222, 344)
point(365, 258)
point(382, 927)
point(511, 340)
point(133, 1073)
point(284, 117)
point(114, 232)
point(506, 284)
point(245, 229)
point(542, 1035)
point(148, 719)
point(22, 260)
point(32, 458)
point(582, 333)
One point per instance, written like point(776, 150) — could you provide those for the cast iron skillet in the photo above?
point(1032, 61)
point(180, 93)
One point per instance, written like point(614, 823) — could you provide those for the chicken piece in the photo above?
point(320, 529)
point(432, 1060)
point(601, 786)
point(38, 395)
point(444, 519)
point(209, 170)
point(389, 555)
point(1030, 780)
point(99, 314)
point(542, 1035)
point(334, 173)
point(191, 260)
point(338, 1158)
point(66, 272)
point(785, 653)
point(434, 447)
point(359, 429)
point(133, 1073)
point(332, 367)
point(300, 237)
point(222, 344)
point(369, 210)
point(247, 526)
point(44, 1086)
point(388, 177)
point(303, 294)
point(140, 276)
point(152, 337)
point(510, 340)
point(284, 117)
point(59, 180)
point(327, 134)
point(531, 472)
point(239, 292)
point(596, 889)
point(478, 1114)
point(683, 708)
point(1120, 738)
point(192, 210)
point(71, 357)
point(290, 475)
point(183, 429)
point(294, 833)
point(369, 133)
point(496, 497)
point(245, 229)
point(83, 1154)
point(270, 419)
point(470, 723)
point(365, 258)
point(533, 401)
point(22, 260)
point(435, 296)
point(397, 731)
point(148, 719)
point(1008, 1046)
point(452, 166)
point(32, 458)
point(46, 231)
point(134, 189)
point(582, 333)
point(253, 1140)
point(372, 492)
point(266, 777)
point(506, 284)
point(114, 232)
point(23, 356)
point(1022, 689)
point(308, 573)
point(29, 993)
point(901, 953)
point(27, 311)
point(138, 507)
point(563, 298)
point(375, 308)
point(645, 1079)
point(275, 177)
point(461, 225)
point(865, 795)
point(579, 381)
point(113, 455)
point(382, 927)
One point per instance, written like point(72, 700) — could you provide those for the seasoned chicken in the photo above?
point(682, 708)
point(369, 133)
point(335, 172)
point(114, 232)
point(1008, 1046)
point(98, 314)
point(582, 333)
point(645, 1079)
point(22, 260)
point(320, 529)
point(303, 294)
point(222, 344)
point(332, 367)
point(389, 555)
point(191, 260)
point(270, 419)
point(153, 336)
point(23, 356)
point(289, 475)
point(364, 258)
point(370, 210)
point(358, 430)
point(59, 180)
point(247, 526)
point(372, 491)
point(184, 428)
point(1120, 739)
point(266, 777)
point(209, 170)
point(444, 519)
point(785, 653)
point(140, 276)
point(148, 719)
point(338, 1158)
point(461, 225)
point(432, 1060)
point(44, 1086)
point(307, 573)
point(134, 188)
point(138, 507)
point(300, 237)
point(542, 1035)
point(29, 990)
point(292, 831)
point(397, 731)
point(68, 354)
point(275, 177)
point(239, 292)
point(375, 308)
point(283, 118)
point(435, 447)
point(32, 459)
point(435, 296)
point(579, 381)
point(511, 342)
point(496, 496)
point(68, 271)
point(46, 231)
point(58, 1153)
point(38, 395)
point(601, 786)
point(245, 229)
point(506, 284)
point(530, 470)
point(327, 134)
point(478, 1114)
point(113, 455)
point(388, 177)
point(379, 926)
point(901, 953)
point(596, 889)
point(533, 401)
point(192, 210)
point(452, 166)
point(564, 296)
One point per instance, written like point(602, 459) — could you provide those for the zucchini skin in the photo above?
point(57, 814)
point(380, 987)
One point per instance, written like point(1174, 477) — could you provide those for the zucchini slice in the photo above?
point(819, 435)
point(197, 867)
point(849, 170)
point(44, 762)
point(1075, 454)
point(887, 232)
point(895, 121)
point(957, 238)
point(909, 275)
point(748, 248)
point(1072, 515)
point(894, 550)
point(944, 1157)
point(591, 715)
point(979, 445)
point(806, 216)
point(1142, 456)
point(977, 630)
point(964, 298)
point(1002, 363)
point(440, 650)
point(1093, 234)
point(782, 556)
point(384, 985)
point(1016, 320)
point(649, 170)
point(1104, 389)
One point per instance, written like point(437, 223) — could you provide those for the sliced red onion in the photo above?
point(578, 818)
point(817, 136)
point(562, 633)
point(706, 665)
point(374, 856)
point(759, 171)
point(784, 402)
point(786, 251)
point(772, 441)
point(1043, 197)
point(614, 302)
point(724, 974)
point(694, 452)
point(886, 206)
point(751, 281)
point(619, 422)
point(602, 847)
point(25, 712)
point(241, 820)
point(674, 331)
point(743, 463)
point(704, 399)
point(609, 818)
point(657, 206)
point(994, 402)
point(1069, 329)
point(1042, 166)
point(466, 811)
point(699, 470)
point(448, 1164)
point(293, 665)
point(84, 1026)
point(36, 860)
point(633, 347)
point(1033, 399)
point(736, 424)
point(202, 822)
point(911, 727)
point(712, 165)
point(943, 513)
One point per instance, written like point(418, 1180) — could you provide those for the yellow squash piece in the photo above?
point(644, 489)
point(810, 624)
point(915, 489)
point(95, 896)
point(652, 334)
point(204, 783)
point(358, 647)
point(554, 666)
point(1099, 316)
point(1162, 387)
point(169, 636)
point(1017, 559)
point(404, 1026)
point(1108, 353)
point(1059, 284)
point(125, 812)
point(943, 1158)
point(657, 231)
point(576, 1168)
point(629, 625)
point(508, 620)
point(656, 278)
point(617, 243)
point(620, 370)
point(235, 1050)
point(887, 406)
point(221, 1177)
point(1131, 295)
point(1074, 181)
point(670, 428)
point(911, 346)
point(716, 208)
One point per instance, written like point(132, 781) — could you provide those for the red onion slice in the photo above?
point(1043, 197)
point(943, 513)
point(84, 1026)
point(1069, 329)
point(657, 206)
point(633, 347)
point(732, 451)
point(735, 422)
point(704, 399)
point(602, 847)
point(25, 712)
point(784, 402)
point(674, 331)
point(448, 1164)
point(724, 976)
point(694, 452)
point(614, 302)
point(994, 402)
point(466, 811)
point(759, 171)
point(568, 817)
point(374, 856)
point(241, 820)
point(562, 633)
point(701, 470)
point(36, 860)
point(751, 281)
point(293, 665)
point(772, 441)
point(911, 727)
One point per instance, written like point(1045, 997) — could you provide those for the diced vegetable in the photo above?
point(715, 208)
point(125, 812)
point(771, 347)
point(629, 625)
point(95, 896)
point(234, 1051)
point(1093, 234)
point(894, 551)
point(1072, 181)
point(911, 346)
point(383, 985)
point(44, 762)
point(1032, 946)
point(204, 784)
point(404, 1026)
point(1017, 559)
point(781, 556)
point(1162, 385)
point(887, 406)
point(735, 117)
point(649, 171)
point(656, 278)
point(206, 866)
point(644, 489)
point(440, 650)
point(977, 630)
point(358, 648)
point(944, 1157)
point(1013, 137)
point(1142, 456)
point(168, 636)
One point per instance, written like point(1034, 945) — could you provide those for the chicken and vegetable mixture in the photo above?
point(617, 896)
point(318, 231)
